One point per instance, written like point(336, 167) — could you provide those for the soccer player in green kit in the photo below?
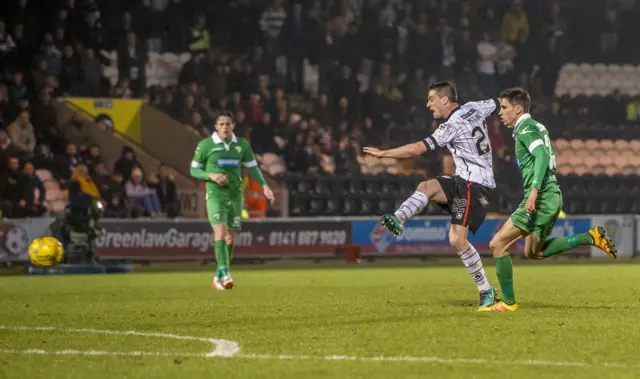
point(218, 161)
point(537, 214)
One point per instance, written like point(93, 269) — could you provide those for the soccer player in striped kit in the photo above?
point(464, 195)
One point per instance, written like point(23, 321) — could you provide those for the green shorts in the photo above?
point(225, 210)
point(548, 207)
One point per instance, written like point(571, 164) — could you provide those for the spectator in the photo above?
point(263, 136)
point(294, 43)
point(102, 179)
point(125, 164)
point(116, 208)
point(295, 155)
point(345, 157)
point(65, 163)
point(6, 42)
point(271, 22)
point(22, 133)
point(92, 158)
point(92, 69)
point(199, 36)
point(44, 119)
point(514, 22)
point(486, 65)
point(17, 89)
point(44, 158)
point(33, 193)
point(11, 191)
point(141, 195)
point(167, 192)
point(7, 147)
point(132, 60)
point(87, 185)
point(71, 71)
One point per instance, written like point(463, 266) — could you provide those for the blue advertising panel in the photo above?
point(431, 236)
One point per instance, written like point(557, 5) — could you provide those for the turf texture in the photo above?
point(575, 321)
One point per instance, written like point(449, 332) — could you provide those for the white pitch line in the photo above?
point(231, 349)
point(222, 348)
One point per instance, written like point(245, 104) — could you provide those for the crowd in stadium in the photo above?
point(311, 82)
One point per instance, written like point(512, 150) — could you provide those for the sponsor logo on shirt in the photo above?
point(228, 162)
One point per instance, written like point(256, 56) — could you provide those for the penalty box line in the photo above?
point(231, 349)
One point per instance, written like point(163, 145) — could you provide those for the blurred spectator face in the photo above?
point(297, 10)
point(24, 117)
point(94, 151)
point(241, 116)
point(344, 102)
point(62, 14)
point(224, 127)
point(126, 20)
point(51, 81)
point(81, 170)
point(189, 101)
point(131, 39)
point(128, 155)
point(4, 138)
point(91, 18)
point(419, 74)
point(71, 3)
point(223, 102)
point(516, 5)
point(17, 77)
point(72, 149)
point(237, 99)
point(193, 88)
point(368, 123)
point(168, 98)
point(324, 99)
point(28, 169)
point(279, 93)
point(59, 34)
point(200, 22)
point(264, 80)
point(117, 178)
point(255, 99)
point(42, 65)
point(344, 143)
point(196, 119)
point(136, 175)
point(346, 71)
point(90, 54)
point(101, 169)
point(67, 51)
point(299, 139)
point(266, 118)
point(13, 164)
point(385, 70)
point(344, 126)
point(163, 171)
point(18, 31)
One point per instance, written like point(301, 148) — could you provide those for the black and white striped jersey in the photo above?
point(465, 134)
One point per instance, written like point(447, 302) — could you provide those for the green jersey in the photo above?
point(213, 155)
point(532, 142)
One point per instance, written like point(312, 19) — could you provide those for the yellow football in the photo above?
point(46, 252)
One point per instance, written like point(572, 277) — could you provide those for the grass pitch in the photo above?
point(574, 322)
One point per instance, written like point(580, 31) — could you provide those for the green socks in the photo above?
point(222, 258)
point(230, 250)
point(504, 269)
point(561, 244)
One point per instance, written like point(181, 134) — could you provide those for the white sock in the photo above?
point(412, 206)
point(473, 263)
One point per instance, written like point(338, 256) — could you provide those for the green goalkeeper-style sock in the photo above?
point(230, 251)
point(561, 244)
point(222, 258)
point(504, 269)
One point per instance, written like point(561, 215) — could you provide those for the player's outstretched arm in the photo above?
point(406, 151)
point(249, 161)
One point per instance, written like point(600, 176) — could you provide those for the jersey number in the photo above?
point(552, 156)
point(481, 140)
point(547, 144)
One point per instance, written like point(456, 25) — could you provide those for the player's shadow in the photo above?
point(539, 305)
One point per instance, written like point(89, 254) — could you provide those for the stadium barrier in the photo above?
point(298, 238)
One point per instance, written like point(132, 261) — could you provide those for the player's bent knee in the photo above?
point(220, 232)
point(498, 247)
point(458, 241)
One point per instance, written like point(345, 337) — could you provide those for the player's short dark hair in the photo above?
point(223, 114)
point(445, 89)
point(517, 96)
